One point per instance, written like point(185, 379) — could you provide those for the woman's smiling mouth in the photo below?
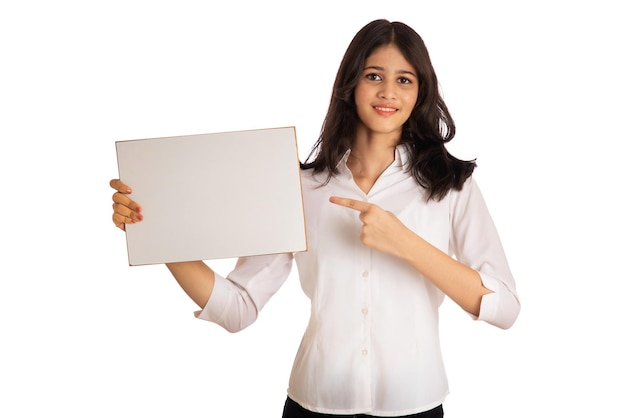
point(385, 110)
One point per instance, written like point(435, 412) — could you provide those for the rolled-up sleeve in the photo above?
point(238, 298)
point(475, 242)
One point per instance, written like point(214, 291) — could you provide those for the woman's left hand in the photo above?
point(381, 230)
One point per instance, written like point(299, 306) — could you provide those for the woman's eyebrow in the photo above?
point(377, 68)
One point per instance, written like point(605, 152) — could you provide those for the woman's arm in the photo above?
point(475, 242)
point(236, 300)
point(383, 231)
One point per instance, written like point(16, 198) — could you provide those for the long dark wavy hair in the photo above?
point(427, 130)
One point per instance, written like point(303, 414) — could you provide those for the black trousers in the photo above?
point(294, 410)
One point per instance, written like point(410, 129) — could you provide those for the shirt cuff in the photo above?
point(499, 308)
point(218, 302)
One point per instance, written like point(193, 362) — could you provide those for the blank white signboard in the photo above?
point(214, 196)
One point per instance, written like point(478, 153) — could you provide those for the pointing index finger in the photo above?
point(350, 203)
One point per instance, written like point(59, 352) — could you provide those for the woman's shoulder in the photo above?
point(465, 188)
point(469, 196)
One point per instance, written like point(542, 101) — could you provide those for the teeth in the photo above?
point(385, 109)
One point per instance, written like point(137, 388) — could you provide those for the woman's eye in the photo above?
point(373, 77)
point(404, 80)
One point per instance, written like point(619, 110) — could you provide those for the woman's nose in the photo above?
point(387, 90)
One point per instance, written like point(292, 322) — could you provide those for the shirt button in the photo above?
point(365, 274)
point(364, 352)
point(365, 311)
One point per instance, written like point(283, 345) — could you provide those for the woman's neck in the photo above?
point(370, 156)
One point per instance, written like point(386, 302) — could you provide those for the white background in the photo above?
point(536, 89)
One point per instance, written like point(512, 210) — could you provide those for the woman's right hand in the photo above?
point(125, 210)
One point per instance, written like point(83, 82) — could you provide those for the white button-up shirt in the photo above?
point(372, 343)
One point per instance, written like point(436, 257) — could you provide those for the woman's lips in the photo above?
point(385, 110)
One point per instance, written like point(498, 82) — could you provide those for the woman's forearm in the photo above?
point(196, 279)
point(459, 282)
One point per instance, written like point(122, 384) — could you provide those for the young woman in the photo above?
point(394, 224)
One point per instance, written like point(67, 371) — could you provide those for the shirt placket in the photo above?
point(365, 276)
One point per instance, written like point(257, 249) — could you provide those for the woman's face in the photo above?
point(387, 91)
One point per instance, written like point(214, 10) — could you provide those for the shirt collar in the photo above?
point(401, 161)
